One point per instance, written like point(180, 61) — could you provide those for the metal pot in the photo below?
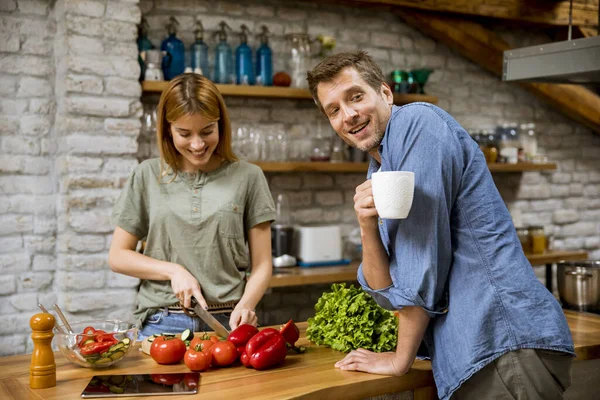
point(579, 284)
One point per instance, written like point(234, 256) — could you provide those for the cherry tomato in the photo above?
point(197, 360)
point(224, 353)
point(205, 343)
point(167, 350)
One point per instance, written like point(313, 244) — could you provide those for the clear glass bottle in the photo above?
point(299, 53)
point(529, 141)
point(223, 57)
point(508, 143)
point(199, 51)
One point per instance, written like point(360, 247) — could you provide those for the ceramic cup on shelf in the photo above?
point(393, 193)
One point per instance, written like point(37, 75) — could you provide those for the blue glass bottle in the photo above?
point(223, 57)
point(264, 60)
point(143, 44)
point(199, 51)
point(244, 71)
point(173, 62)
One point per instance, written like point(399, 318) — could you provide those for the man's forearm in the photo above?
point(412, 323)
point(375, 261)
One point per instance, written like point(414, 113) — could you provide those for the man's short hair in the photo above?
point(327, 69)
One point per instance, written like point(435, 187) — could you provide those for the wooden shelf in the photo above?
point(309, 166)
point(280, 92)
point(297, 276)
point(521, 167)
point(551, 257)
point(313, 166)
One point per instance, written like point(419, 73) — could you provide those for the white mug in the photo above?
point(393, 193)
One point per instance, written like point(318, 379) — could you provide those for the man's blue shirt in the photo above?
point(457, 255)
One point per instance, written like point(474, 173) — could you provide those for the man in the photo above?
point(454, 268)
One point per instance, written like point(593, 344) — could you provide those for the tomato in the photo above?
point(205, 343)
point(197, 360)
point(224, 353)
point(215, 339)
point(167, 350)
point(166, 379)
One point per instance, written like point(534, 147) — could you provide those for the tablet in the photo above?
point(142, 385)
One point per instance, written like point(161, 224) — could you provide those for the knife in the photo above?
point(209, 319)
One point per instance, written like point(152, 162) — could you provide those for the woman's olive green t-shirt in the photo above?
point(199, 221)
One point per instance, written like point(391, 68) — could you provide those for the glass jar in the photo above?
point(538, 239)
point(523, 234)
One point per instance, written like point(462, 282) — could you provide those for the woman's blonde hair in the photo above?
point(189, 94)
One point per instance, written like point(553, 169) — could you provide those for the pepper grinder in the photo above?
point(42, 370)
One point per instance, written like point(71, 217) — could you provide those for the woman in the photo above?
point(195, 207)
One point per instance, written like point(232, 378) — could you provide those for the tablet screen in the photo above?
point(142, 385)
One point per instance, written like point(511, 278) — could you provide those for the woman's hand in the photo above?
point(374, 363)
point(185, 286)
point(364, 205)
point(240, 316)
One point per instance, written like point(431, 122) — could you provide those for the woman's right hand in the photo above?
point(185, 285)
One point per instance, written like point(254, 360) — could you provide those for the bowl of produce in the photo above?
point(96, 343)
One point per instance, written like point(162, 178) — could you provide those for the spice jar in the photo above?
point(523, 234)
point(538, 239)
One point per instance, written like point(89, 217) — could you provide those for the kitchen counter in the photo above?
point(302, 376)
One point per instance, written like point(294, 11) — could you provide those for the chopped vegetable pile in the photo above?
point(349, 318)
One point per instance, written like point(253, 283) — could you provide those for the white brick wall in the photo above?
point(69, 125)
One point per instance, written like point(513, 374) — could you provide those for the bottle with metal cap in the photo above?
point(144, 44)
point(199, 51)
point(264, 59)
point(243, 59)
point(173, 62)
point(223, 57)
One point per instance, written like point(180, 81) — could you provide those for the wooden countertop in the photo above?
point(302, 376)
point(295, 276)
point(308, 375)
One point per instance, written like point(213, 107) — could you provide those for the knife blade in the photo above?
point(209, 319)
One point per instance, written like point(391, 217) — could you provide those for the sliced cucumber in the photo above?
point(126, 341)
point(117, 355)
point(150, 339)
point(187, 335)
point(168, 334)
point(104, 360)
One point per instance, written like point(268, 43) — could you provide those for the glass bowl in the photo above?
point(96, 343)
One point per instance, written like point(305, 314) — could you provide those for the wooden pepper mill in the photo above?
point(42, 371)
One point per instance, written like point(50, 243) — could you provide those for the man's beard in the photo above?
point(371, 144)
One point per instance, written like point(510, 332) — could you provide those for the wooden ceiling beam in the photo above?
point(585, 12)
point(486, 48)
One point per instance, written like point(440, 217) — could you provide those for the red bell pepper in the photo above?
point(266, 349)
point(95, 348)
point(240, 335)
point(290, 332)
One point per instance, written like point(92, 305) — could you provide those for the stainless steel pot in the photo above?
point(579, 284)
